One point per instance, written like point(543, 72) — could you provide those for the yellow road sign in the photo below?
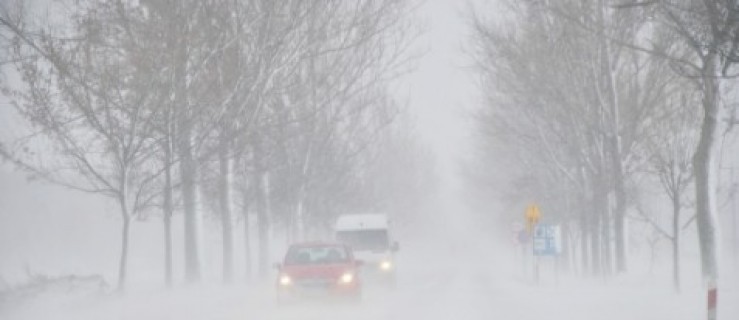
point(532, 216)
point(532, 213)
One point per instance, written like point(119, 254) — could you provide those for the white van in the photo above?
point(370, 237)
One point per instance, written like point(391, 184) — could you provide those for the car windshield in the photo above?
point(316, 255)
point(364, 239)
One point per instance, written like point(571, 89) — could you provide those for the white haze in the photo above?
point(446, 273)
point(454, 263)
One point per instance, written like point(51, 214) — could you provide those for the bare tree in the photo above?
point(576, 107)
point(291, 93)
point(710, 31)
point(87, 103)
point(669, 150)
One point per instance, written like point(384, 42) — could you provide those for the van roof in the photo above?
point(317, 244)
point(362, 221)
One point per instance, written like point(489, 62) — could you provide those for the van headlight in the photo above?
point(285, 280)
point(346, 278)
point(386, 265)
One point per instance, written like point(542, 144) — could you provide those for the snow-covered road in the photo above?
point(452, 290)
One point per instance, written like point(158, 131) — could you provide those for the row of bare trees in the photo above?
point(591, 100)
point(279, 108)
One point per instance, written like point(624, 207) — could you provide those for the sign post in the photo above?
point(547, 241)
point(532, 216)
point(712, 299)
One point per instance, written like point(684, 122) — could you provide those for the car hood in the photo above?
point(333, 271)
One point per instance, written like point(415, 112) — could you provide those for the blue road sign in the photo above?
point(547, 240)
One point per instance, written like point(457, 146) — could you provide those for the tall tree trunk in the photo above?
point(168, 251)
point(168, 207)
point(564, 258)
point(224, 193)
point(676, 241)
point(262, 208)
point(620, 229)
point(188, 167)
point(300, 216)
point(126, 216)
point(123, 262)
point(188, 172)
point(619, 214)
point(567, 252)
point(300, 205)
point(595, 246)
point(703, 167)
point(606, 252)
point(168, 211)
point(614, 143)
point(263, 216)
point(247, 241)
point(595, 231)
point(584, 238)
point(247, 196)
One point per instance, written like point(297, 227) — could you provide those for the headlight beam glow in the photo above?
point(386, 265)
point(285, 280)
point(347, 278)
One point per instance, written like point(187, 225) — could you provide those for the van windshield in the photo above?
point(362, 240)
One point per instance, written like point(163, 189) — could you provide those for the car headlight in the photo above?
point(285, 280)
point(386, 265)
point(346, 278)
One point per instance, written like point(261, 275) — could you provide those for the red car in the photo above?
point(318, 269)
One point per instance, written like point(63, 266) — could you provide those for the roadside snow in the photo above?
point(448, 291)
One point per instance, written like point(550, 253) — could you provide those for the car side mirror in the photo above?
point(396, 246)
point(277, 266)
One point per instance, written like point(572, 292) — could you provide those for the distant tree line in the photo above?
point(278, 110)
point(588, 102)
